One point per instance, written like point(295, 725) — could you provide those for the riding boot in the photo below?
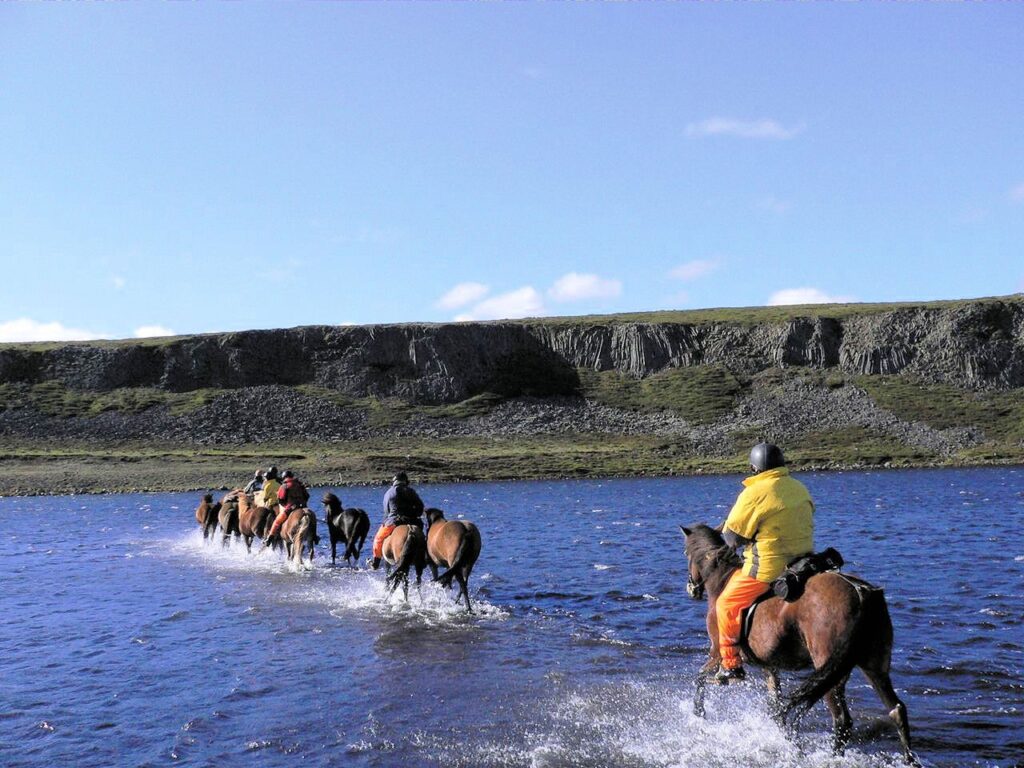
point(732, 675)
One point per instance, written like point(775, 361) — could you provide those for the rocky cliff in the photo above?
point(975, 345)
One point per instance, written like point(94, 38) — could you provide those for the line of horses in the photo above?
point(451, 544)
point(841, 622)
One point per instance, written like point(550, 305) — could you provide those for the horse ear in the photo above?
point(686, 531)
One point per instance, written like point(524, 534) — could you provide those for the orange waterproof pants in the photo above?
point(278, 522)
point(739, 593)
point(378, 540)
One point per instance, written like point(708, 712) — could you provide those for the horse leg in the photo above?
point(706, 671)
point(771, 678)
point(464, 589)
point(390, 583)
point(433, 568)
point(334, 550)
point(882, 684)
point(842, 723)
point(248, 543)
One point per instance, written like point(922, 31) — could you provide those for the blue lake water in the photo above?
point(127, 641)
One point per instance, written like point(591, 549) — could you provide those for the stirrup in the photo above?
point(726, 676)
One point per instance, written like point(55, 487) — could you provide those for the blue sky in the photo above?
point(200, 167)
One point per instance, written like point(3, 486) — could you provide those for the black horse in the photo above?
point(349, 526)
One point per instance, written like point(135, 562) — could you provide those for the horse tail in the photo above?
point(872, 618)
point(406, 555)
point(461, 555)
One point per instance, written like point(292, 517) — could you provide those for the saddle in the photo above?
point(790, 586)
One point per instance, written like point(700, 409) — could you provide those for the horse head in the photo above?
point(707, 554)
point(433, 515)
point(333, 505)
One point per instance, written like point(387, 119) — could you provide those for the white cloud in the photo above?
point(522, 302)
point(146, 331)
point(463, 294)
point(806, 296)
point(693, 270)
point(118, 282)
point(1017, 193)
point(743, 129)
point(575, 287)
point(24, 329)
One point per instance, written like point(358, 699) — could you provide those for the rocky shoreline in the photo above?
point(276, 414)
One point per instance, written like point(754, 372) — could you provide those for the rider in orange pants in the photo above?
point(378, 540)
point(773, 520)
point(739, 594)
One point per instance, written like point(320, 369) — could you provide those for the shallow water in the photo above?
point(127, 641)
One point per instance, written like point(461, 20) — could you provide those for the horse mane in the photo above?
point(716, 559)
point(332, 501)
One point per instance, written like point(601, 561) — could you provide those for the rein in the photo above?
point(696, 588)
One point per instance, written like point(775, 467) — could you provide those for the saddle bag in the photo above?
point(790, 585)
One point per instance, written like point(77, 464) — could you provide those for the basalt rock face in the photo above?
point(976, 345)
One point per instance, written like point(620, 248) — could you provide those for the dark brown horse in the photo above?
point(839, 623)
point(206, 515)
point(299, 534)
point(253, 521)
point(405, 548)
point(348, 526)
point(228, 516)
point(455, 544)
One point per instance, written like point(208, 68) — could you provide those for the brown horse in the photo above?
point(299, 534)
point(405, 548)
point(253, 521)
point(840, 622)
point(348, 526)
point(455, 545)
point(206, 515)
point(228, 516)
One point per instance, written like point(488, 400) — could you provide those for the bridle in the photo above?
point(695, 587)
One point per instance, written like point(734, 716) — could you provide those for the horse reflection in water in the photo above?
point(840, 622)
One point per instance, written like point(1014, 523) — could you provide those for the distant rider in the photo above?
point(773, 517)
point(291, 495)
point(255, 484)
point(267, 496)
point(402, 506)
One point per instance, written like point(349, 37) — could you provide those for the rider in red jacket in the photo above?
point(293, 495)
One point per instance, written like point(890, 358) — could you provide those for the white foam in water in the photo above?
point(644, 724)
point(342, 589)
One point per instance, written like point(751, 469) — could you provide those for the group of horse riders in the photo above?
point(402, 505)
point(772, 521)
point(400, 540)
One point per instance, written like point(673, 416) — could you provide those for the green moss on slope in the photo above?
point(700, 394)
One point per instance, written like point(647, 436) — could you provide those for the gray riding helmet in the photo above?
point(765, 456)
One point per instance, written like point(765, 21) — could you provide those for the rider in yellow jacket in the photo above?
point(267, 496)
point(773, 518)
